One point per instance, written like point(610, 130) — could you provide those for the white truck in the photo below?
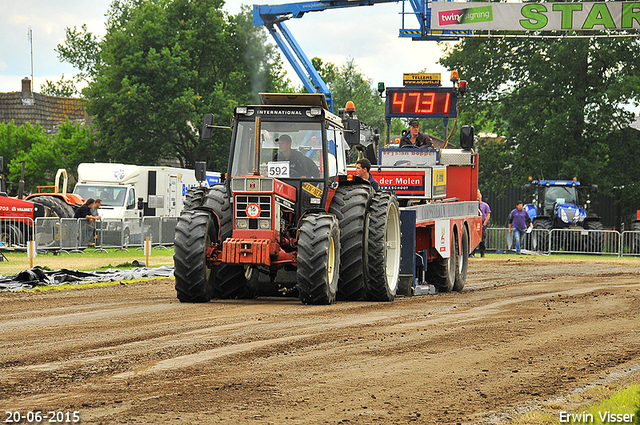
point(131, 192)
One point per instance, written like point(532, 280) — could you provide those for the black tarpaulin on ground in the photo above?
point(29, 279)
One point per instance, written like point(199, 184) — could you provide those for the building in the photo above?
point(50, 111)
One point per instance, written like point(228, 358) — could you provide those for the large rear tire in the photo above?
point(596, 237)
point(349, 205)
point(217, 201)
point(229, 281)
point(383, 247)
point(318, 259)
point(54, 207)
point(442, 273)
point(194, 198)
point(542, 229)
point(195, 231)
point(635, 238)
point(462, 261)
point(236, 282)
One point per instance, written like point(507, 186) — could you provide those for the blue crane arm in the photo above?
point(268, 14)
point(273, 17)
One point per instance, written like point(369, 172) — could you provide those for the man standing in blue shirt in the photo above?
point(519, 221)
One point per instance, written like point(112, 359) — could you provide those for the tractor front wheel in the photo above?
point(318, 259)
point(195, 231)
point(349, 205)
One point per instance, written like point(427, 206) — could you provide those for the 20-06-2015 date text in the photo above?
point(39, 416)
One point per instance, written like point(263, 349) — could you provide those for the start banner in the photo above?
point(610, 15)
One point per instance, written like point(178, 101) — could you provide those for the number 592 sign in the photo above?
point(278, 169)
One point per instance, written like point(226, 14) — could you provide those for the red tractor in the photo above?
point(289, 205)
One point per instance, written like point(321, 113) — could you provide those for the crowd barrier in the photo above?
point(567, 241)
point(70, 234)
point(15, 231)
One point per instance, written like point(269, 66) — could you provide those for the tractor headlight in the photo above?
point(265, 224)
point(242, 223)
point(563, 216)
point(576, 216)
point(313, 112)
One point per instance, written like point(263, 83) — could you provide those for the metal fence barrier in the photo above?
point(70, 234)
point(75, 235)
point(15, 232)
point(567, 241)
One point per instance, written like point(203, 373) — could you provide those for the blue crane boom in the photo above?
point(273, 17)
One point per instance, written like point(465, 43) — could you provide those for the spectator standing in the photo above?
point(84, 212)
point(485, 210)
point(519, 221)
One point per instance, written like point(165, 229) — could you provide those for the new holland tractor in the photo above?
point(289, 204)
point(558, 204)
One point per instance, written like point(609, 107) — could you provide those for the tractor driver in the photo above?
point(414, 138)
point(299, 164)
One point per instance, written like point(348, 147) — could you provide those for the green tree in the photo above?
point(346, 83)
point(43, 154)
point(160, 67)
point(82, 49)
point(555, 101)
point(62, 88)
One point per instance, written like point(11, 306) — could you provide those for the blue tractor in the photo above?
point(558, 204)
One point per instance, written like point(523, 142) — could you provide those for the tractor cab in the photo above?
point(558, 201)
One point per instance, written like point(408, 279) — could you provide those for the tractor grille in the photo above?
point(243, 201)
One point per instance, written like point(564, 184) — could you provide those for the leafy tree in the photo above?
point(160, 67)
point(555, 102)
point(43, 154)
point(346, 83)
point(62, 88)
point(82, 49)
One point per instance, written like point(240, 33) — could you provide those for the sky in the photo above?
point(368, 34)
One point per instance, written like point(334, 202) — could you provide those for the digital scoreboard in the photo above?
point(422, 102)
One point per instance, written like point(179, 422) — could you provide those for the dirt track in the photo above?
point(524, 330)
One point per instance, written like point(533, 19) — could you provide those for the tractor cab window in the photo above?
point(287, 149)
point(560, 194)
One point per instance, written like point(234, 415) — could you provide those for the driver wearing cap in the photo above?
point(414, 138)
point(300, 165)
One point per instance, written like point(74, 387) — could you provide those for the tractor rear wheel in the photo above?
point(236, 282)
point(194, 198)
point(383, 247)
point(635, 238)
point(442, 273)
point(54, 207)
point(596, 237)
point(349, 205)
point(195, 231)
point(542, 229)
point(462, 262)
point(217, 201)
point(318, 259)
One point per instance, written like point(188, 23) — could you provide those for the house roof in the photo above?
point(49, 111)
